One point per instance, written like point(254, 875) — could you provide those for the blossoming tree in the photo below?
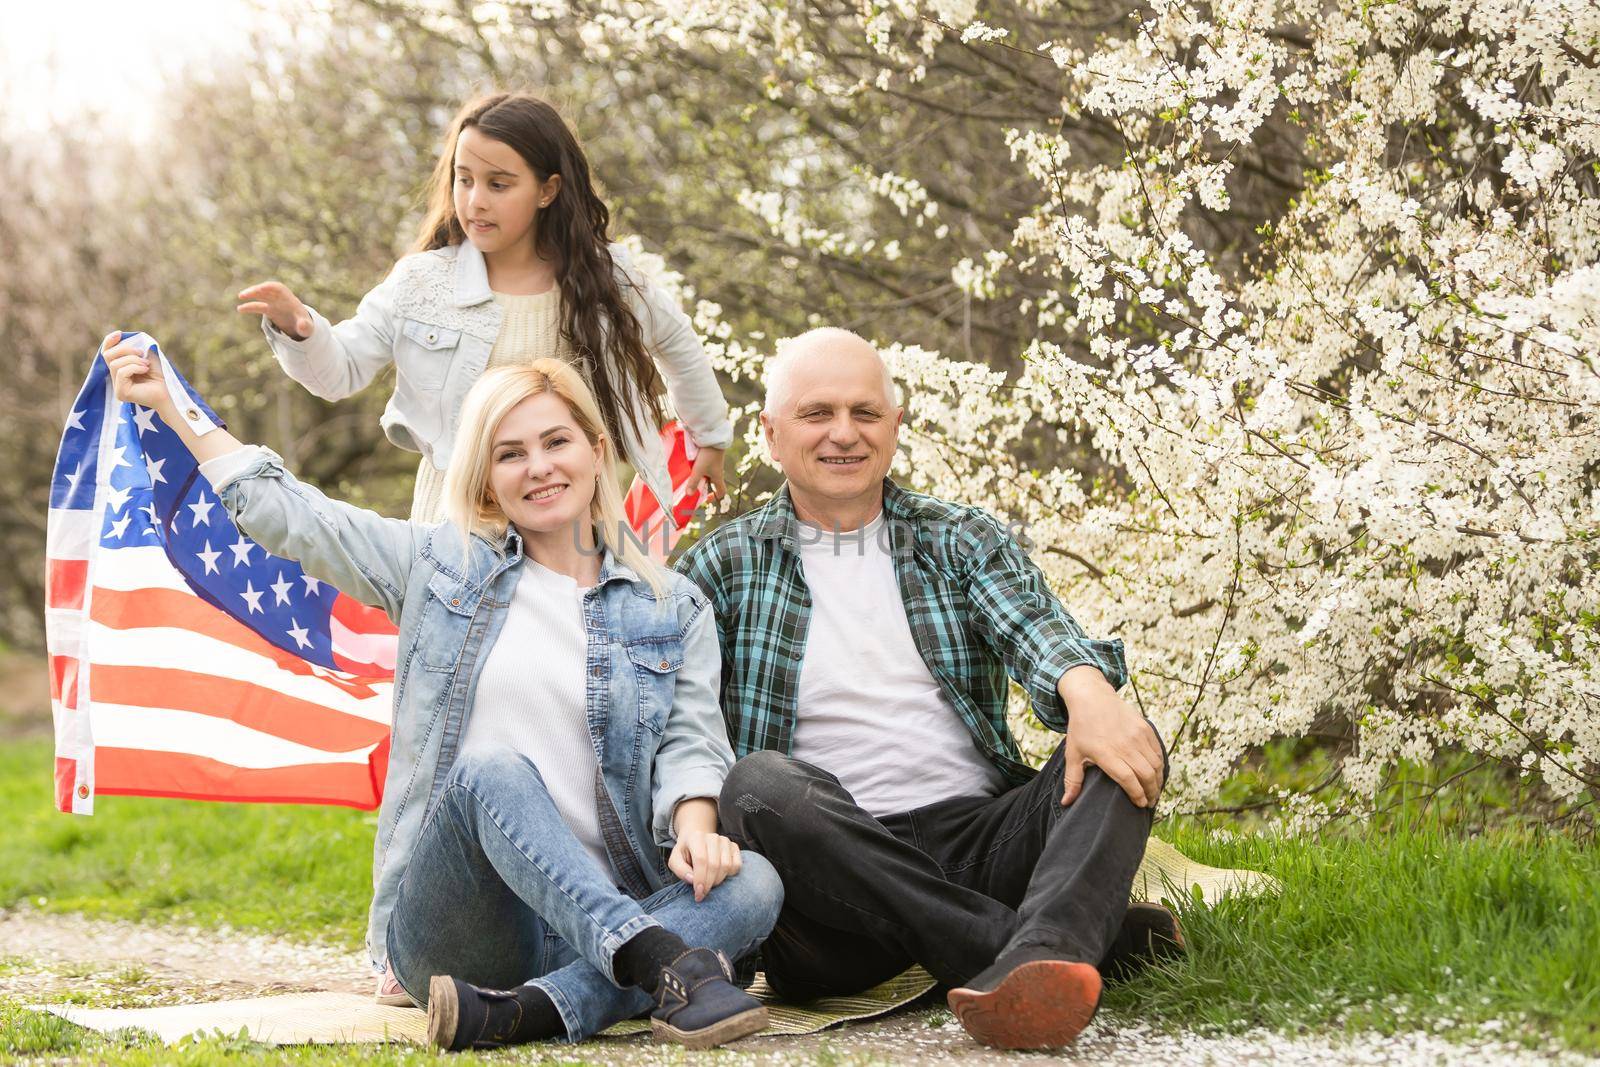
point(1301, 397)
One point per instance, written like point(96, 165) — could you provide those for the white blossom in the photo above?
point(1355, 472)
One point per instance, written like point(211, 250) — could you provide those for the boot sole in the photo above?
point(718, 1033)
point(1043, 1004)
point(1160, 926)
point(1150, 934)
point(443, 1011)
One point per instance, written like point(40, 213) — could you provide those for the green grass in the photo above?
point(1391, 931)
point(1420, 923)
point(280, 869)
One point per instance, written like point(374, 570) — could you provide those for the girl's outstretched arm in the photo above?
point(332, 361)
point(357, 551)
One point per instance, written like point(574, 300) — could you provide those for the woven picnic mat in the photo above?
point(1167, 874)
point(351, 1018)
point(796, 1019)
point(292, 1019)
point(344, 1018)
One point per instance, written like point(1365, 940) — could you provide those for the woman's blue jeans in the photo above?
point(500, 893)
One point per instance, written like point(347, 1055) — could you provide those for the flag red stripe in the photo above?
point(65, 580)
point(640, 503)
point(64, 681)
point(66, 780)
point(134, 772)
point(170, 608)
point(361, 618)
point(290, 718)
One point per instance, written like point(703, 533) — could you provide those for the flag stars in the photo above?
point(280, 590)
point(120, 526)
point(241, 551)
point(300, 634)
point(117, 459)
point(313, 587)
point(155, 466)
point(144, 419)
point(75, 420)
point(209, 558)
point(202, 511)
point(150, 510)
point(115, 498)
point(252, 598)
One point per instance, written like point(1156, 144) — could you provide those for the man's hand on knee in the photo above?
point(1103, 730)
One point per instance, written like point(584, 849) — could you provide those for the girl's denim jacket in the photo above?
point(436, 320)
point(652, 673)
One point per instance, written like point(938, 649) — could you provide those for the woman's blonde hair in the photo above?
point(469, 501)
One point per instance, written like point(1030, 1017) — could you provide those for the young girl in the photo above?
point(513, 264)
point(555, 721)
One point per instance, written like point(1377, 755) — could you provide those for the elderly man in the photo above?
point(867, 633)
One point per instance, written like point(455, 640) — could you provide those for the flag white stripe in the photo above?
point(192, 734)
point(63, 631)
point(130, 570)
point(66, 743)
point(377, 649)
point(69, 533)
point(184, 650)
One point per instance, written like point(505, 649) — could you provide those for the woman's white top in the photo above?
point(530, 697)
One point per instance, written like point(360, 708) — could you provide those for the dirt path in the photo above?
point(46, 957)
point(72, 955)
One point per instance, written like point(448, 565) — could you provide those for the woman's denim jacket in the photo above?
point(653, 667)
point(436, 320)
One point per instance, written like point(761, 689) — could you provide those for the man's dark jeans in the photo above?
point(950, 886)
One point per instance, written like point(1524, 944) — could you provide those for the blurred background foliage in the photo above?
point(305, 160)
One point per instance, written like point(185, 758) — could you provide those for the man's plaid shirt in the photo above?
point(978, 607)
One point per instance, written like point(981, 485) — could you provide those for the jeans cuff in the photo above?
point(569, 1016)
point(614, 941)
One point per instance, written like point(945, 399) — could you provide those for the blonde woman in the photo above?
point(555, 722)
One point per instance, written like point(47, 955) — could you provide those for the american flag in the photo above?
point(185, 660)
point(645, 513)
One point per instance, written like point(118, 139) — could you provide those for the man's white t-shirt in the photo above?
point(869, 711)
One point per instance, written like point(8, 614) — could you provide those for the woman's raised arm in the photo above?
point(358, 551)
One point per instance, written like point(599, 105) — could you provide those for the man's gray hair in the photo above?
point(791, 349)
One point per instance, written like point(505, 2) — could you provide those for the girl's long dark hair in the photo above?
point(572, 232)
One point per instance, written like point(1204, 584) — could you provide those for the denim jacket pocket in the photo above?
point(447, 617)
point(656, 662)
point(423, 353)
